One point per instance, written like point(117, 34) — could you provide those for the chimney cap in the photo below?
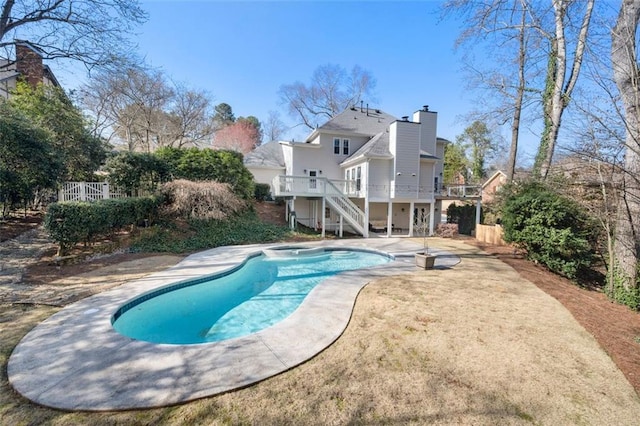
point(29, 45)
point(405, 118)
point(425, 108)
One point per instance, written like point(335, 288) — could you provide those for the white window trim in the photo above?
point(342, 144)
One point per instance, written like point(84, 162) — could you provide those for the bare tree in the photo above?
point(533, 28)
point(331, 91)
point(94, 32)
point(191, 116)
point(274, 128)
point(507, 30)
point(562, 74)
point(627, 77)
point(141, 108)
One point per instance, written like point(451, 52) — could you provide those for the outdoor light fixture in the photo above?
point(399, 174)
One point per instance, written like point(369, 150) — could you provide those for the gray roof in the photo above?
point(266, 155)
point(377, 147)
point(358, 121)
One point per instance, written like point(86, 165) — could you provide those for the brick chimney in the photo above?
point(29, 64)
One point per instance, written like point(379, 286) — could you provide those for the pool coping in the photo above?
point(75, 360)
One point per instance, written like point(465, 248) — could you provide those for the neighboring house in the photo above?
point(28, 66)
point(492, 185)
point(362, 171)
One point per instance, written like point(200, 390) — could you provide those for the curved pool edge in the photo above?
point(75, 360)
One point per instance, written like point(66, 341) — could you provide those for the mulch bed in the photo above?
point(615, 327)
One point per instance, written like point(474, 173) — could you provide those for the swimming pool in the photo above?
point(257, 294)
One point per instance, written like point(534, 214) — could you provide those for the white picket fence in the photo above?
point(88, 191)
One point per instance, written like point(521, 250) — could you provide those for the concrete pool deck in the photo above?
point(75, 360)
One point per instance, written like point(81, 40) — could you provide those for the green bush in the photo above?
point(553, 230)
point(134, 172)
point(206, 164)
point(262, 192)
point(70, 223)
point(464, 216)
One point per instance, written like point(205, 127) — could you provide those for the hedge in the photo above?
point(69, 223)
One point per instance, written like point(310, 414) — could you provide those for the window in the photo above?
point(358, 178)
point(327, 213)
point(348, 174)
point(340, 143)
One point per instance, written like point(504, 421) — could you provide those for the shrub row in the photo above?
point(70, 223)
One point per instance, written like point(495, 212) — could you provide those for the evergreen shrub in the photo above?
point(552, 229)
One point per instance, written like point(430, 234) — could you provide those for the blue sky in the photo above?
point(241, 52)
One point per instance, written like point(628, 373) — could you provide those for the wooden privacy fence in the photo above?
point(490, 234)
point(88, 191)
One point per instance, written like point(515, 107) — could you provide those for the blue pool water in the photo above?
point(262, 292)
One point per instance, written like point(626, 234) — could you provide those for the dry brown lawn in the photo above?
point(475, 344)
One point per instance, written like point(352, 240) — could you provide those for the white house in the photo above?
point(364, 171)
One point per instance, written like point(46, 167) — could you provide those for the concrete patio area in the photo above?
point(75, 360)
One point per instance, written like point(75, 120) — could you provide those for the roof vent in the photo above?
point(378, 111)
point(353, 108)
point(405, 118)
point(425, 108)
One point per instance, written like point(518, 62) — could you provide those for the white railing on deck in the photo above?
point(322, 187)
point(88, 191)
point(462, 191)
point(310, 186)
point(345, 206)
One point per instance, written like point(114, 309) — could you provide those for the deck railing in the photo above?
point(310, 186)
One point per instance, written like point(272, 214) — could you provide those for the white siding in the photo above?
point(309, 157)
point(265, 175)
point(428, 129)
point(427, 183)
point(379, 178)
point(287, 152)
point(404, 143)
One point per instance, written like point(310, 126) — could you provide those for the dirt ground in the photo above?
point(475, 344)
point(19, 223)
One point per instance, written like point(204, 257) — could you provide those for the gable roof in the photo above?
point(376, 147)
point(267, 155)
point(368, 122)
point(493, 177)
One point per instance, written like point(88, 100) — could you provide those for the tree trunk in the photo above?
point(559, 86)
point(515, 125)
point(625, 72)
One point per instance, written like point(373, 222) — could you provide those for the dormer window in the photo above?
point(340, 146)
